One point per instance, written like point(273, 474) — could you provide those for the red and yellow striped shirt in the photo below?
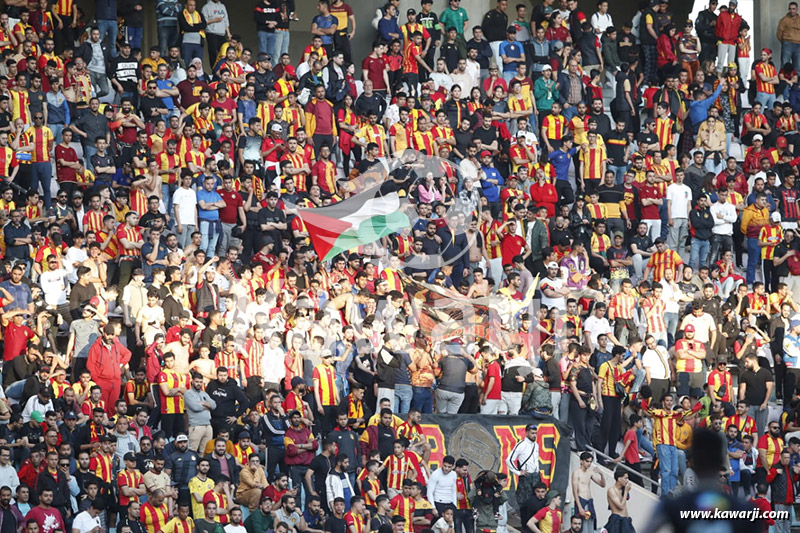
point(20, 102)
point(42, 141)
point(373, 134)
point(229, 361)
point(354, 519)
point(171, 405)
point(129, 478)
point(745, 424)
point(404, 507)
point(396, 471)
point(63, 8)
point(621, 306)
point(325, 380)
point(690, 365)
point(251, 358)
point(655, 320)
point(132, 235)
point(154, 518)
point(411, 66)
point(93, 220)
point(423, 141)
point(661, 261)
point(665, 425)
point(772, 446)
point(556, 126)
point(768, 71)
point(665, 131)
point(772, 236)
point(592, 159)
point(176, 525)
point(101, 466)
point(488, 230)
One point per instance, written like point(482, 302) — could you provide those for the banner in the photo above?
point(486, 441)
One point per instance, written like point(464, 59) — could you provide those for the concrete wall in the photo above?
point(641, 505)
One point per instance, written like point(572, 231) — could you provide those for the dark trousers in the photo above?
point(770, 279)
point(623, 324)
point(155, 413)
point(611, 424)
point(790, 381)
point(327, 420)
point(578, 421)
point(65, 37)
point(565, 194)
point(78, 366)
point(341, 42)
point(638, 479)
point(464, 518)
point(275, 457)
point(471, 403)
point(172, 424)
point(215, 42)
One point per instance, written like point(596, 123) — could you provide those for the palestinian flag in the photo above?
point(361, 219)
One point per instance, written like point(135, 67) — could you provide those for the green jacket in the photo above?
point(486, 518)
point(258, 522)
point(537, 239)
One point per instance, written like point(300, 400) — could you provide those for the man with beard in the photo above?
point(8, 518)
point(181, 466)
point(300, 448)
point(230, 399)
point(755, 387)
point(274, 425)
point(48, 517)
point(216, 459)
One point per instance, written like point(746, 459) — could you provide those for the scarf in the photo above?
point(194, 18)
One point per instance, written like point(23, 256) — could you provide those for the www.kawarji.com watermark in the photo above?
point(753, 515)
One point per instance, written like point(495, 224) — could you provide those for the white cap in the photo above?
point(276, 127)
point(776, 217)
point(758, 137)
point(552, 264)
point(546, 67)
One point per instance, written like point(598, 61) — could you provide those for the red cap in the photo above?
point(767, 50)
point(290, 70)
point(688, 328)
point(781, 142)
point(486, 153)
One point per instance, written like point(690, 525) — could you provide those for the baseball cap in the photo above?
point(411, 11)
point(486, 153)
point(289, 69)
point(552, 264)
point(546, 67)
point(619, 234)
point(689, 328)
point(70, 415)
point(137, 272)
point(297, 380)
point(129, 457)
point(758, 137)
point(781, 142)
point(794, 323)
point(276, 127)
point(244, 435)
point(776, 217)
point(37, 416)
point(182, 438)
point(264, 57)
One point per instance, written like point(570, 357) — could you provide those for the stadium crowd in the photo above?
point(178, 356)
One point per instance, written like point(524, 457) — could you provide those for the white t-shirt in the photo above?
point(186, 200)
point(230, 528)
point(680, 195)
point(596, 326)
point(85, 523)
point(53, 286)
point(556, 283)
point(652, 361)
point(440, 526)
point(73, 255)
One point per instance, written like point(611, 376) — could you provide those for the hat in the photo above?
point(441, 275)
point(276, 127)
point(552, 264)
point(77, 194)
point(781, 142)
point(221, 86)
point(776, 217)
point(486, 153)
point(289, 69)
point(732, 65)
point(492, 64)
point(411, 11)
point(552, 495)
point(793, 324)
point(130, 456)
point(263, 57)
point(538, 372)
point(297, 380)
point(182, 438)
point(70, 416)
point(511, 29)
point(619, 234)
point(546, 67)
point(733, 2)
point(521, 133)
point(758, 137)
point(137, 272)
point(766, 51)
point(689, 328)
point(37, 416)
point(325, 354)
point(244, 435)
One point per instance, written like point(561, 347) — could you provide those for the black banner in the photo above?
point(487, 440)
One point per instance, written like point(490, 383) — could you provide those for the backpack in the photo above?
point(168, 9)
point(794, 264)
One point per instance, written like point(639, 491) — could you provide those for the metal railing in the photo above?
point(625, 467)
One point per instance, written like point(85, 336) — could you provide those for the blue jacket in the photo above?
point(563, 89)
point(698, 109)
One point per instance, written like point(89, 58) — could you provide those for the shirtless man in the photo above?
point(182, 348)
point(96, 266)
point(581, 491)
point(480, 286)
point(617, 495)
point(477, 249)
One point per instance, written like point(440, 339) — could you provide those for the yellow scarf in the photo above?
point(194, 18)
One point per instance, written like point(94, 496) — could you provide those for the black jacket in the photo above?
point(385, 371)
point(702, 222)
point(186, 27)
point(58, 485)
point(127, 9)
point(84, 51)
point(215, 470)
point(231, 400)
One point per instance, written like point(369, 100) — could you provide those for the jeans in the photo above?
point(570, 112)
point(266, 43)
point(753, 260)
point(668, 467)
point(671, 321)
point(109, 27)
point(402, 398)
point(783, 526)
point(100, 81)
point(191, 50)
point(678, 232)
point(167, 191)
point(719, 243)
point(167, 36)
point(726, 53)
point(42, 173)
point(619, 172)
point(210, 231)
point(422, 399)
point(225, 238)
point(760, 416)
point(766, 99)
point(644, 442)
point(14, 391)
point(448, 402)
point(135, 36)
point(699, 253)
point(281, 44)
point(790, 53)
point(56, 129)
point(186, 237)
